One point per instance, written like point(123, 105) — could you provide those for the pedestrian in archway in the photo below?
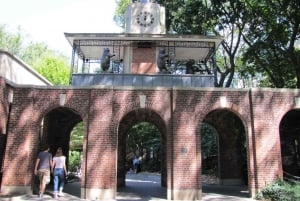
point(136, 163)
point(43, 166)
point(59, 173)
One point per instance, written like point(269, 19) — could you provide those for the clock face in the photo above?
point(145, 18)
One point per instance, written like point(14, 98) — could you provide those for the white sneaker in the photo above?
point(60, 194)
point(55, 195)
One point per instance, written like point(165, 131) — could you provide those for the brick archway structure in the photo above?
point(181, 110)
point(129, 120)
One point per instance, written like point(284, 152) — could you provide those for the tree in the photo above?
point(54, 68)
point(49, 63)
point(11, 42)
point(33, 52)
point(271, 40)
point(230, 23)
point(119, 17)
point(188, 17)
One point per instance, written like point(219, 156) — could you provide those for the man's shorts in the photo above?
point(44, 176)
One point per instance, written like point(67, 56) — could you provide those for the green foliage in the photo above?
point(11, 42)
point(188, 17)
point(120, 11)
point(280, 191)
point(74, 160)
point(76, 141)
point(271, 40)
point(49, 63)
point(76, 138)
point(144, 139)
point(54, 68)
point(33, 52)
point(209, 149)
point(209, 144)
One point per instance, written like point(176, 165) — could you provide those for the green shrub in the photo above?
point(74, 160)
point(280, 191)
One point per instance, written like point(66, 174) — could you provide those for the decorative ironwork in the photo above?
point(102, 42)
point(155, 43)
point(186, 44)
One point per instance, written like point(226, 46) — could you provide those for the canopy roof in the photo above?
point(90, 45)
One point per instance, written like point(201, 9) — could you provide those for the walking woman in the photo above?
point(59, 172)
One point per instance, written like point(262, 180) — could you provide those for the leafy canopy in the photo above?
point(49, 63)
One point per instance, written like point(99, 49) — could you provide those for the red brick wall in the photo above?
point(269, 106)
point(181, 110)
point(101, 143)
point(144, 60)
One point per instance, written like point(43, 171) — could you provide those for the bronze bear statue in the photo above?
point(161, 60)
point(105, 59)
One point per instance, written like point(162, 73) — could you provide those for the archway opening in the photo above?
point(224, 150)
point(209, 154)
point(142, 133)
point(75, 160)
point(290, 143)
point(143, 145)
point(59, 127)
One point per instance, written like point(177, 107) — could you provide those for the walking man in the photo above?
point(43, 166)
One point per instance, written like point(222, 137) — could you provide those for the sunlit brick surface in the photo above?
point(108, 113)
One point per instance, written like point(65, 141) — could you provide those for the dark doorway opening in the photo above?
point(290, 143)
point(224, 151)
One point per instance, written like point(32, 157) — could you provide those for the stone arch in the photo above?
point(232, 151)
point(290, 142)
point(129, 119)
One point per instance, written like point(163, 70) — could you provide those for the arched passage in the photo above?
point(231, 154)
point(290, 142)
point(130, 119)
point(56, 129)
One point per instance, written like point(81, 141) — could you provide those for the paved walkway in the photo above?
point(144, 187)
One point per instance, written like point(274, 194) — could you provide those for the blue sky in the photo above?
point(47, 20)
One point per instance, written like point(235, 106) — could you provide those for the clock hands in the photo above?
point(145, 19)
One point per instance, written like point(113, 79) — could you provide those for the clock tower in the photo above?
point(145, 16)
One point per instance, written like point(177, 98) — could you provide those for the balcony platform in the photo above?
point(143, 80)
